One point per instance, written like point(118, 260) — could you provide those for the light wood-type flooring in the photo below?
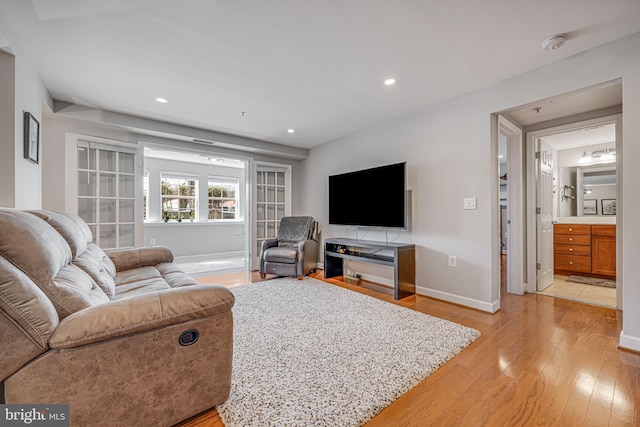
point(541, 361)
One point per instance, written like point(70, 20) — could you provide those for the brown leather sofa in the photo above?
point(122, 337)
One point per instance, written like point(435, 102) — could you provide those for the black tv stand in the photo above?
point(400, 256)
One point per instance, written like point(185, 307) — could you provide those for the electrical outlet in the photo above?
point(453, 261)
point(152, 242)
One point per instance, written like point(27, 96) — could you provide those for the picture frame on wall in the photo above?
point(590, 207)
point(31, 138)
point(608, 206)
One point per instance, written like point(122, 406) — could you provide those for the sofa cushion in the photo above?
point(39, 251)
point(27, 318)
point(72, 228)
point(33, 246)
point(139, 287)
point(85, 254)
point(174, 275)
point(73, 290)
point(95, 262)
point(136, 275)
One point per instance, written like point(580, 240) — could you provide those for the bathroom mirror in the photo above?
point(586, 191)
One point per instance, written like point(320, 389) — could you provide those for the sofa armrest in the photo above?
point(141, 313)
point(126, 259)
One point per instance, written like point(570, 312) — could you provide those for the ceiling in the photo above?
point(316, 67)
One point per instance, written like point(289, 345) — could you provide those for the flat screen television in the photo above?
point(373, 197)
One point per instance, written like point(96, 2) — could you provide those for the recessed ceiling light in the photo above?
point(161, 100)
point(291, 130)
point(390, 82)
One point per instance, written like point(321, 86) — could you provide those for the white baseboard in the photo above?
point(444, 296)
point(457, 299)
point(629, 342)
point(207, 257)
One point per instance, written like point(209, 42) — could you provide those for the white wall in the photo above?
point(451, 155)
point(25, 190)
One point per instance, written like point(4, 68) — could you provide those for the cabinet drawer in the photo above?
point(579, 263)
point(572, 229)
point(569, 239)
point(572, 249)
point(603, 230)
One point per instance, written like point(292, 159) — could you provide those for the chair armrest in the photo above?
point(308, 251)
point(141, 313)
point(269, 243)
point(126, 259)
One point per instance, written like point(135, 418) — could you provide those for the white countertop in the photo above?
point(610, 219)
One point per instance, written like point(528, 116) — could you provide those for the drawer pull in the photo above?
point(570, 262)
point(570, 249)
point(571, 239)
point(570, 229)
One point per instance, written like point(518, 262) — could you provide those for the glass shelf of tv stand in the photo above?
point(358, 255)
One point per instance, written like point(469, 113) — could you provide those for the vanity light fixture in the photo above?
point(607, 155)
point(390, 82)
point(161, 100)
point(291, 130)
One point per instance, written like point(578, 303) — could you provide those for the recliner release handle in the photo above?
point(189, 337)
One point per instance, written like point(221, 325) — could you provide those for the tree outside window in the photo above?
point(223, 198)
point(179, 197)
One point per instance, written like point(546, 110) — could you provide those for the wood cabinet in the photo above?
point(603, 250)
point(585, 249)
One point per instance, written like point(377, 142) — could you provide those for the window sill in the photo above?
point(190, 224)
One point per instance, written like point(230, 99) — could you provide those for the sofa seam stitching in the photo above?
point(35, 328)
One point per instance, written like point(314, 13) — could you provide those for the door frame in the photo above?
point(531, 239)
point(515, 206)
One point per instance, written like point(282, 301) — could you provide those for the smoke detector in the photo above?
point(554, 42)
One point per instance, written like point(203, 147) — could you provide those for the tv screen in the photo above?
point(371, 197)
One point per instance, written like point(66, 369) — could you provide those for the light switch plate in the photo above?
point(470, 203)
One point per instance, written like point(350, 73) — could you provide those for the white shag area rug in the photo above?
point(308, 353)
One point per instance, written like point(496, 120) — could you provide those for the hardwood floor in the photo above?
point(541, 361)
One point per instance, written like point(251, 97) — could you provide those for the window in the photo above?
point(223, 198)
point(179, 196)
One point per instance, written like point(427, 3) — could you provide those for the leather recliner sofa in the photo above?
point(123, 337)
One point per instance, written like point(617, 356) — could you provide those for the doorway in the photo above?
point(511, 220)
point(574, 169)
point(569, 110)
point(196, 202)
